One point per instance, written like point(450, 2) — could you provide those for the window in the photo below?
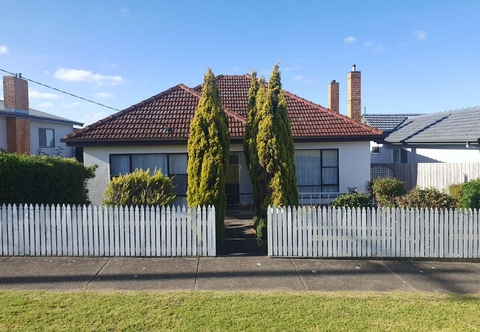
point(400, 156)
point(317, 170)
point(173, 165)
point(46, 138)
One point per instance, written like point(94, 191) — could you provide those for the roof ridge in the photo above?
point(225, 109)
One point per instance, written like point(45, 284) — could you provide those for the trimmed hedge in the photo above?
point(140, 188)
point(352, 200)
point(43, 180)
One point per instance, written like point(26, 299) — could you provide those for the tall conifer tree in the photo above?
point(275, 147)
point(208, 153)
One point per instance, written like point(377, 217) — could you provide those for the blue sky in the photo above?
point(415, 56)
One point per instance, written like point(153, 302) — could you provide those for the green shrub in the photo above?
point(140, 188)
point(471, 195)
point(260, 225)
point(386, 190)
point(353, 200)
point(428, 198)
point(43, 180)
point(456, 193)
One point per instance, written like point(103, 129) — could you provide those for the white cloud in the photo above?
point(44, 105)
point(71, 105)
point(419, 34)
point(235, 69)
point(291, 68)
point(298, 78)
point(368, 43)
point(349, 40)
point(124, 11)
point(3, 49)
point(379, 48)
point(93, 117)
point(103, 95)
point(80, 75)
point(42, 95)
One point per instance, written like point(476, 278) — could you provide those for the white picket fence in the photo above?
point(27, 230)
point(383, 232)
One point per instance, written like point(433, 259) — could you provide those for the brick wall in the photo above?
point(15, 94)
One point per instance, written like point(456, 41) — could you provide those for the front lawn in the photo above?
point(239, 311)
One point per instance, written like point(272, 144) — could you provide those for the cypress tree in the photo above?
point(250, 143)
point(275, 148)
point(208, 153)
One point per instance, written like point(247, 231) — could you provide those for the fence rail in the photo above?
point(383, 232)
point(27, 230)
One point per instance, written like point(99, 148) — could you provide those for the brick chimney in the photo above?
point(15, 94)
point(354, 94)
point(334, 97)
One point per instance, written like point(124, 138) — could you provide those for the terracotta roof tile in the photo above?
point(167, 115)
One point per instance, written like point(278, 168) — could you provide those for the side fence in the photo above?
point(383, 232)
point(27, 230)
point(438, 175)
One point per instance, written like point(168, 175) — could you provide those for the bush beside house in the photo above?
point(43, 180)
point(140, 188)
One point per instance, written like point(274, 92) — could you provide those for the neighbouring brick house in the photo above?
point(332, 151)
point(29, 131)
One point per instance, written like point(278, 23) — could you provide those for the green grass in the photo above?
point(242, 311)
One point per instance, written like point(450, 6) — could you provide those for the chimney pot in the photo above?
point(354, 67)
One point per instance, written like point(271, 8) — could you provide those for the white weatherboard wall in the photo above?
point(353, 162)
point(60, 131)
point(100, 156)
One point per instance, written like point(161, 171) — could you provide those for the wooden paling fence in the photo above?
point(383, 232)
point(27, 230)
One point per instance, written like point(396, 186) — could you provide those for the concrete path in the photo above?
point(236, 273)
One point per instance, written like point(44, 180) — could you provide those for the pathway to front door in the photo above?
point(240, 238)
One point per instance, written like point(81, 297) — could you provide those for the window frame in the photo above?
point(45, 136)
point(322, 185)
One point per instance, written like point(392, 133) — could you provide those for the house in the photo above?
point(26, 130)
point(332, 151)
point(443, 137)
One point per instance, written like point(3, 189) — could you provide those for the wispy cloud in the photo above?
point(124, 11)
point(103, 95)
point(46, 105)
point(3, 49)
point(71, 105)
point(235, 69)
point(80, 75)
point(349, 40)
point(42, 95)
point(420, 34)
point(291, 68)
point(298, 78)
point(93, 117)
point(379, 48)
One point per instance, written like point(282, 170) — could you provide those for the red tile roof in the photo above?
point(167, 115)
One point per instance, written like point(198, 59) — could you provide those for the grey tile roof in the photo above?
point(386, 122)
point(39, 115)
point(456, 126)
